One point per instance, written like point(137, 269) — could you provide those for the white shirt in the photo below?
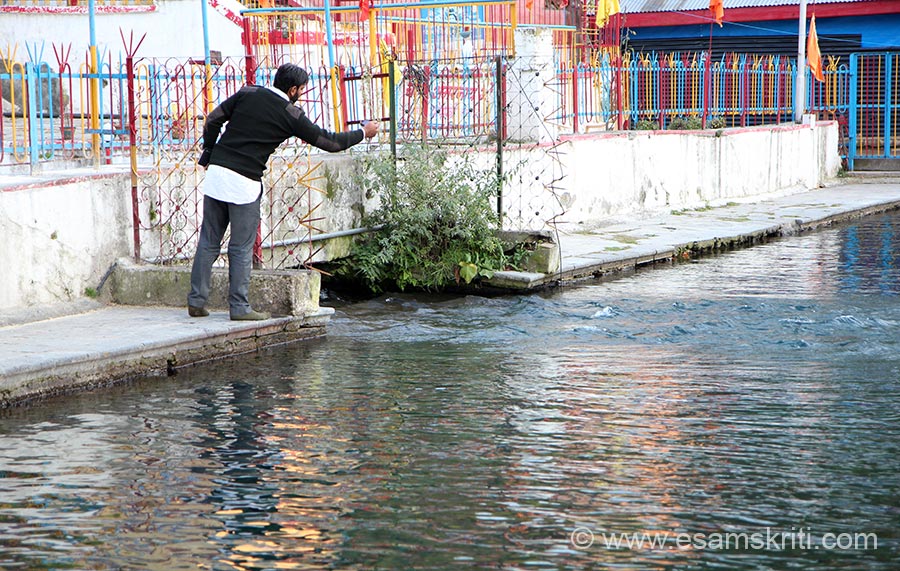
point(228, 186)
point(278, 91)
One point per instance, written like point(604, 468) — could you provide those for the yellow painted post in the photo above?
point(336, 100)
point(95, 107)
point(385, 66)
point(208, 95)
point(695, 84)
point(373, 39)
point(514, 22)
point(10, 66)
point(673, 85)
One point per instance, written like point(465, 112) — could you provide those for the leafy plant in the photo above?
point(685, 123)
point(437, 225)
point(646, 125)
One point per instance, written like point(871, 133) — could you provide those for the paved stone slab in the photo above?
point(107, 344)
point(590, 250)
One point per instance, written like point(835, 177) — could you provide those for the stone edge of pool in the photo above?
point(142, 328)
point(591, 253)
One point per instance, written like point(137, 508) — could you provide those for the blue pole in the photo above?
point(93, 24)
point(94, 86)
point(33, 137)
point(205, 32)
point(328, 34)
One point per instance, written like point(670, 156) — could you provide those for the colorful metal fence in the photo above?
point(46, 105)
point(439, 47)
point(875, 116)
point(43, 117)
point(653, 90)
point(320, 34)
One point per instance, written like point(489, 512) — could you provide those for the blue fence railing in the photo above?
point(875, 97)
point(653, 90)
point(47, 108)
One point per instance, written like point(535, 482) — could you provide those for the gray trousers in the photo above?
point(244, 220)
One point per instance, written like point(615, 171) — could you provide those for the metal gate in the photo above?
point(875, 109)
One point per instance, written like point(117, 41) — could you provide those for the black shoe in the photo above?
point(197, 311)
point(251, 316)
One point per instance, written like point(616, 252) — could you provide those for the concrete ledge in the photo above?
point(109, 344)
point(516, 280)
point(280, 292)
point(586, 255)
point(125, 342)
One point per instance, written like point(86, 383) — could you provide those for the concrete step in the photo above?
point(874, 176)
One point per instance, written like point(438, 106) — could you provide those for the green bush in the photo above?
point(646, 125)
point(689, 123)
point(437, 223)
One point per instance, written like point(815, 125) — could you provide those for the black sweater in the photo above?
point(258, 121)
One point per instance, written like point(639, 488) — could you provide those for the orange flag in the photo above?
point(813, 56)
point(718, 10)
point(529, 4)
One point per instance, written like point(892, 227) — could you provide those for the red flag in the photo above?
point(718, 10)
point(813, 56)
point(364, 6)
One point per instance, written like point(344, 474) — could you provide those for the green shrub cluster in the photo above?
point(646, 125)
point(691, 122)
point(687, 123)
point(437, 225)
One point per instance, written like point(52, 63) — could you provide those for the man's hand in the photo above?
point(370, 128)
point(203, 161)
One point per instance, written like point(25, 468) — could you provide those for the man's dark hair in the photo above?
point(288, 76)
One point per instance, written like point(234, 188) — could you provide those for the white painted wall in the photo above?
point(639, 173)
point(175, 29)
point(60, 239)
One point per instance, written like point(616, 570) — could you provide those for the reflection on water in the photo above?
point(749, 392)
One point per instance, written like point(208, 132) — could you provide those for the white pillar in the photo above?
point(531, 101)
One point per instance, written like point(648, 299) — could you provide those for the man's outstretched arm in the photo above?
point(326, 140)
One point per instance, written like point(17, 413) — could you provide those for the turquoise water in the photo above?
point(757, 392)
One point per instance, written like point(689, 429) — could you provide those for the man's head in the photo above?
point(290, 79)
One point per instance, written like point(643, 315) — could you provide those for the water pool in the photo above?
point(755, 394)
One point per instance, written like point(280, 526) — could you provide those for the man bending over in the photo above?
point(258, 120)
